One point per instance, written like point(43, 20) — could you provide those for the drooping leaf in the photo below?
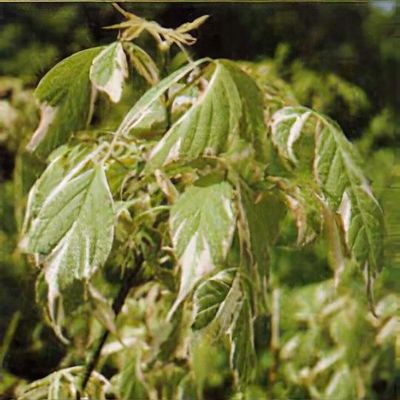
point(337, 170)
point(73, 230)
point(109, 70)
point(210, 296)
point(229, 108)
point(202, 224)
point(243, 356)
point(65, 95)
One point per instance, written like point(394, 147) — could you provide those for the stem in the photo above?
point(275, 319)
point(127, 283)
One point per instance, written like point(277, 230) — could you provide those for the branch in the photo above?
point(127, 283)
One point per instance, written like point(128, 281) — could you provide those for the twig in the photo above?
point(127, 283)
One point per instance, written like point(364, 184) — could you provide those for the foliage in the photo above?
point(164, 238)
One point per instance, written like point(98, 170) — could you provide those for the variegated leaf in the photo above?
point(65, 94)
point(337, 170)
point(72, 228)
point(64, 384)
point(144, 106)
point(109, 70)
point(202, 224)
point(229, 108)
point(243, 355)
point(210, 297)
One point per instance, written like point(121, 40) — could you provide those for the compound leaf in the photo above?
point(337, 170)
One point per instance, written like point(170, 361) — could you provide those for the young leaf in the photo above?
point(202, 224)
point(65, 95)
point(336, 168)
point(73, 229)
point(108, 71)
point(229, 107)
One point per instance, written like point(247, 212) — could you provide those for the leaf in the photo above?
point(189, 26)
point(63, 160)
point(65, 95)
point(210, 296)
point(202, 223)
point(154, 123)
point(304, 207)
point(73, 229)
point(109, 70)
point(143, 63)
point(260, 217)
point(243, 356)
point(131, 380)
point(230, 107)
point(337, 170)
point(63, 384)
point(143, 106)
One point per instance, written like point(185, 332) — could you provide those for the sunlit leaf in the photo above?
point(73, 230)
point(230, 107)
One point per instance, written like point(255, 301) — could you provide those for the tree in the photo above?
point(169, 221)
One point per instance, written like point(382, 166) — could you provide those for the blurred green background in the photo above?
point(342, 59)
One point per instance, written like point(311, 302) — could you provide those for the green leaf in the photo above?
point(260, 216)
point(210, 296)
point(143, 63)
point(65, 95)
point(154, 123)
point(131, 381)
point(304, 206)
point(337, 170)
point(243, 355)
point(202, 224)
point(108, 71)
point(143, 107)
point(73, 229)
point(63, 160)
point(230, 107)
point(63, 384)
